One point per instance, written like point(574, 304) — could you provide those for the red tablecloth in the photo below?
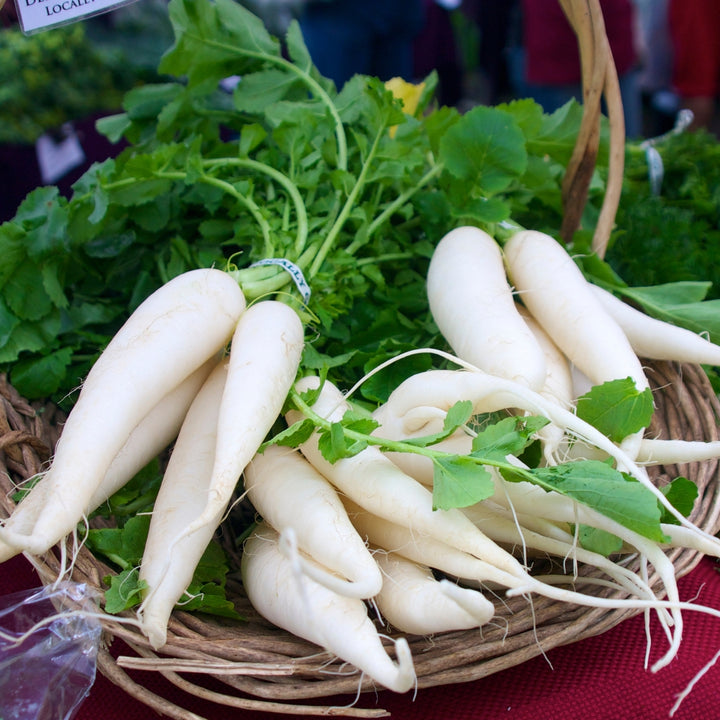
point(601, 678)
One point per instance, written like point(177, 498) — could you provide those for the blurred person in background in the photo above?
point(436, 49)
point(498, 24)
point(372, 37)
point(552, 74)
point(660, 102)
point(695, 33)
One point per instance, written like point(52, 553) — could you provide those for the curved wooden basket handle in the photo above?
point(599, 80)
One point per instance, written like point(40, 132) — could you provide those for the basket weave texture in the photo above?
point(260, 667)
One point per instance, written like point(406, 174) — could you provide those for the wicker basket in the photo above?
point(253, 665)
point(260, 667)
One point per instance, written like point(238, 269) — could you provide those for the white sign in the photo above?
point(35, 15)
point(58, 156)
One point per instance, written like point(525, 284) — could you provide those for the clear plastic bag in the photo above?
point(47, 674)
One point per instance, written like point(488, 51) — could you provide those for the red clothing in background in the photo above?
point(551, 46)
point(695, 31)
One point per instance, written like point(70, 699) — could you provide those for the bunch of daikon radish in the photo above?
point(343, 539)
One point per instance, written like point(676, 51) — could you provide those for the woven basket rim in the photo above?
point(261, 667)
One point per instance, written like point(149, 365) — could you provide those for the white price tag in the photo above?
point(36, 15)
point(57, 157)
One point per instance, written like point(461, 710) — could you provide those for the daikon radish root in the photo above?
point(288, 492)
point(423, 548)
point(170, 335)
point(679, 536)
point(265, 355)
point(152, 435)
point(654, 451)
point(558, 386)
point(582, 384)
point(426, 550)
point(413, 601)
point(506, 531)
point(373, 481)
point(655, 339)
point(473, 306)
point(168, 564)
point(528, 498)
point(441, 389)
point(284, 596)
point(564, 303)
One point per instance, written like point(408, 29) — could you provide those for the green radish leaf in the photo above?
point(601, 487)
point(206, 593)
point(213, 566)
point(113, 126)
point(482, 210)
point(12, 249)
point(259, 90)
point(208, 598)
point(333, 444)
point(25, 295)
point(8, 322)
point(557, 135)
point(682, 494)
point(32, 337)
point(616, 408)
point(211, 39)
point(486, 147)
point(136, 496)
point(687, 292)
point(599, 541)
point(509, 436)
point(457, 416)
point(123, 546)
point(124, 592)
point(528, 115)
point(359, 422)
point(296, 434)
point(459, 482)
point(41, 377)
point(296, 47)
